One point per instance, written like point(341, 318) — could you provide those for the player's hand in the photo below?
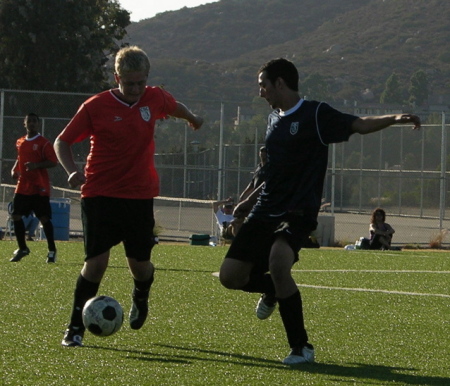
point(196, 123)
point(30, 166)
point(76, 179)
point(410, 118)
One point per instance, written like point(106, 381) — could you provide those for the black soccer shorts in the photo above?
point(24, 204)
point(107, 221)
point(254, 240)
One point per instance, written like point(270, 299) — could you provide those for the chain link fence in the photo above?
point(400, 170)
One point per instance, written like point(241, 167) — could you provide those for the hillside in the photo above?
point(213, 51)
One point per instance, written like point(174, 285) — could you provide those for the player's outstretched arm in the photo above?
point(367, 125)
point(195, 121)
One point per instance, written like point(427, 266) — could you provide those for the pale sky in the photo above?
point(144, 9)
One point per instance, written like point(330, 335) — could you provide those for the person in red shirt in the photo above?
point(119, 181)
point(35, 154)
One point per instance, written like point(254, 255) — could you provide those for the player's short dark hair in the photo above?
point(33, 115)
point(281, 68)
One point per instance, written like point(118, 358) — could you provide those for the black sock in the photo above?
point(291, 311)
point(260, 283)
point(49, 234)
point(19, 231)
point(142, 288)
point(84, 290)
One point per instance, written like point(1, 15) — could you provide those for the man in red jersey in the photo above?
point(120, 180)
point(35, 155)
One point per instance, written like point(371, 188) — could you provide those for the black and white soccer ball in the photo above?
point(102, 315)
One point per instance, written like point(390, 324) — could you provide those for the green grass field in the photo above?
point(375, 318)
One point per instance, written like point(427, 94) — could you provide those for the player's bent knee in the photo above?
point(231, 280)
point(234, 273)
point(227, 280)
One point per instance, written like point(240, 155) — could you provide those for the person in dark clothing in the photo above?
point(284, 212)
point(380, 231)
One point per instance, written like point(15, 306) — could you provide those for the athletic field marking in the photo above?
point(368, 271)
point(216, 274)
point(373, 290)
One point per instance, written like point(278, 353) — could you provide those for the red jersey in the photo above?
point(121, 157)
point(36, 149)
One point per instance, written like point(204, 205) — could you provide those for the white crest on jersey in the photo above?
point(145, 113)
point(294, 128)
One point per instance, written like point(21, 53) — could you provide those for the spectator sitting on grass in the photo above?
point(380, 231)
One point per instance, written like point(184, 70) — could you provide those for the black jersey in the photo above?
point(297, 158)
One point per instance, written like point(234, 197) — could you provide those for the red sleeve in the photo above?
point(78, 128)
point(49, 153)
point(169, 105)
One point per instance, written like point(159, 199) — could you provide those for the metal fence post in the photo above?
point(443, 172)
point(2, 120)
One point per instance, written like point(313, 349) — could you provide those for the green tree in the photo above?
point(392, 92)
point(434, 119)
point(59, 45)
point(418, 88)
point(315, 87)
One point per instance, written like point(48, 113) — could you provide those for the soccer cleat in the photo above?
point(19, 254)
point(138, 313)
point(73, 337)
point(300, 355)
point(51, 257)
point(265, 307)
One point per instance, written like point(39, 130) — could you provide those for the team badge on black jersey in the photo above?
point(145, 113)
point(294, 128)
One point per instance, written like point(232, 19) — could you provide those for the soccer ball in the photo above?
point(102, 315)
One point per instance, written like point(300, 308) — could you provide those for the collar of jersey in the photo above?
point(30, 139)
point(292, 109)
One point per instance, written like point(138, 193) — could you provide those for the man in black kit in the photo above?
point(284, 212)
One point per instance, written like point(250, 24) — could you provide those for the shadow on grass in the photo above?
point(178, 357)
point(125, 267)
point(184, 270)
point(336, 372)
point(384, 374)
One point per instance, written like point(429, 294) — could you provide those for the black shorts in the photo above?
point(24, 204)
point(107, 221)
point(254, 240)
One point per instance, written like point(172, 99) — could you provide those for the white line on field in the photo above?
point(372, 290)
point(368, 270)
point(216, 274)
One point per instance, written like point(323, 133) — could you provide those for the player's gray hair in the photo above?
point(131, 59)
